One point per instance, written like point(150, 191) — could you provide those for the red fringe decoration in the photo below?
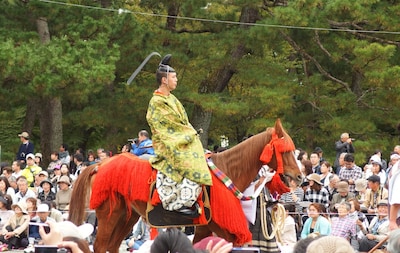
point(277, 186)
point(228, 213)
point(125, 174)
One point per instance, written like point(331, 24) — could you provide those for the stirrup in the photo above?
point(192, 212)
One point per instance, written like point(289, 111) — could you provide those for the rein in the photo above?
point(230, 185)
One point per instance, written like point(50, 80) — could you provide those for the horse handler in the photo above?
point(179, 154)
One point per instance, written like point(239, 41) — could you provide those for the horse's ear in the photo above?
point(279, 128)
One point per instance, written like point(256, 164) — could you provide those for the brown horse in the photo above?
point(118, 205)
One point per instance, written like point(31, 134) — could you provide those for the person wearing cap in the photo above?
point(25, 148)
point(378, 229)
point(179, 154)
point(47, 193)
point(361, 187)
point(342, 195)
point(376, 169)
point(14, 232)
point(38, 159)
point(316, 193)
point(63, 196)
point(374, 194)
point(32, 166)
point(343, 225)
point(344, 145)
point(351, 172)
point(42, 216)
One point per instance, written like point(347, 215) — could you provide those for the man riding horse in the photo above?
point(179, 159)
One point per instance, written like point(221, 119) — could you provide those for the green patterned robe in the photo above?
point(178, 149)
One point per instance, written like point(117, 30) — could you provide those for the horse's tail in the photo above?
point(80, 195)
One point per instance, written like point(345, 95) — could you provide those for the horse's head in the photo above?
point(278, 154)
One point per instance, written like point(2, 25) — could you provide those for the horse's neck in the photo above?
point(241, 166)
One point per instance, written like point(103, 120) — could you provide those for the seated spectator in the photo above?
point(344, 226)
point(377, 230)
point(288, 236)
point(54, 212)
point(316, 193)
point(295, 195)
point(14, 232)
point(361, 187)
point(139, 236)
point(63, 196)
point(5, 210)
point(341, 196)
point(41, 217)
point(67, 235)
point(46, 194)
point(24, 192)
point(330, 244)
point(325, 172)
point(31, 206)
point(331, 188)
point(316, 223)
point(5, 187)
point(360, 219)
point(374, 194)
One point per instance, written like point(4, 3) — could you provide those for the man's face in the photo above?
point(171, 81)
point(383, 210)
point(15, 166)
point(43, 215)
point(22, 186)
point(30, 161)
point(348, 165)
point(373, 185)
point(314, 159)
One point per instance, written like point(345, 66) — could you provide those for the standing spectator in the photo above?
point(343, 225)
point(325, 172)
point(316, 193)
point(394, 242)
point(374, 194)
point(63, 154)
point(78, 160)
point(394, 158)
point(320, 153)
point(344, 145)
point(25, 148)
point(63, 196)
point(5, 188)
point(14, 233)
point(91, 158)
point(143, 146)
point(394, 200)
point(351, 172)
point(24, 192)
point(316, 223)
point(377, 230)
point(343, 195)
point(316, 167)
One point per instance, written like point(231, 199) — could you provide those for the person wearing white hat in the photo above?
point(14, 232)
point(25, 148)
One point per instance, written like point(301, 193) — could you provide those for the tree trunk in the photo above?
point(220, 77)
point(50, 112)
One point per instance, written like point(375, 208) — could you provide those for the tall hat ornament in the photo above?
point(162, 66)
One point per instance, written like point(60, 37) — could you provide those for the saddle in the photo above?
point(158, 217)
